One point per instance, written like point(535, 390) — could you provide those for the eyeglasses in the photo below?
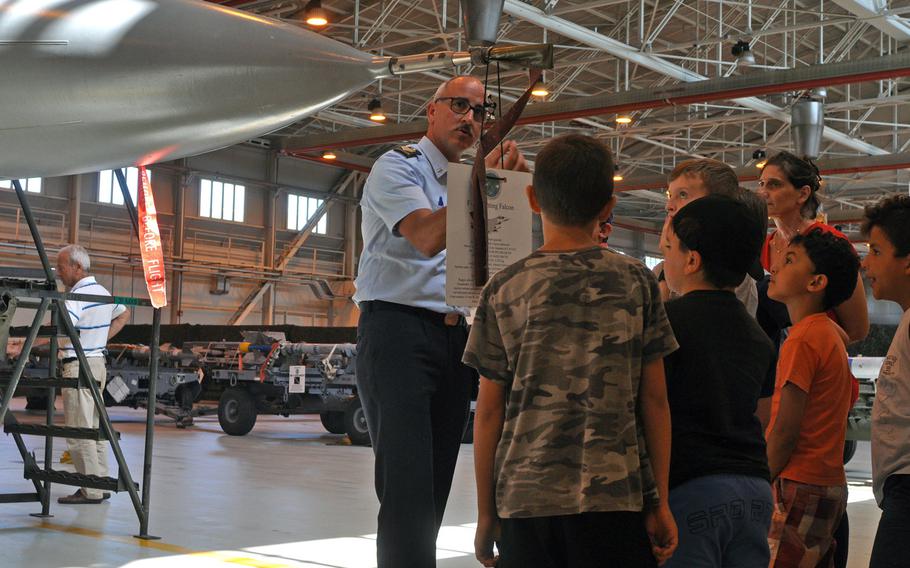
point(461, 105)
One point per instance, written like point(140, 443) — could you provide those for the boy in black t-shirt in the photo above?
point(720, 493)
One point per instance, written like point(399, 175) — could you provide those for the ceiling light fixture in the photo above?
point(314, 14)
point(743, 53)
point(376, 112)
point(328, 155)
point(622, 119)
point(540, 88)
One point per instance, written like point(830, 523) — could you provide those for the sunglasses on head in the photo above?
point(461, 105)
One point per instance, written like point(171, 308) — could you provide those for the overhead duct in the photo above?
point(481, 21)
point(807, 122)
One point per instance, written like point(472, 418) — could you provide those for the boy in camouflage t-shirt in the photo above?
point(570, 344)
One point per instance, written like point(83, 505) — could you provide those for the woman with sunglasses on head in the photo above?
point(790, 186)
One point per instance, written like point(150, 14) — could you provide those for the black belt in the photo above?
point(451, 319)
point(66, 360)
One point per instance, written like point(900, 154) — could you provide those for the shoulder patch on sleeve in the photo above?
point(407, 151)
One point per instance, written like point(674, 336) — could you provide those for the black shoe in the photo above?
point(78, 498)
point(36, 403)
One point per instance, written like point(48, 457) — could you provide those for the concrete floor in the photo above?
point(286, 495)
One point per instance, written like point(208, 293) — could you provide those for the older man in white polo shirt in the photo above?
point(97, 322)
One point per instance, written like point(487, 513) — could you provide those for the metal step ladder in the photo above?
point(9, 382)
point(41, 295)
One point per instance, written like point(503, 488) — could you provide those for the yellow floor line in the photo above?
point(232, 558)
point(156, 544)
point(229, 557)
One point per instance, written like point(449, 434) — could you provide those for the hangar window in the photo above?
point(652, 261)
point(109, 187)
point(221, 200)
point(31, 185)
point(301, 209)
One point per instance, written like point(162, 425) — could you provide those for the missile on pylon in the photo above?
point(96, 84)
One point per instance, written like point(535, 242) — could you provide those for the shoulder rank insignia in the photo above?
point(407, 151)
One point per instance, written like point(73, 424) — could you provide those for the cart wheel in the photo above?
point(236, 411)
point(355, 423)
point(849, 450)
point(333, 421)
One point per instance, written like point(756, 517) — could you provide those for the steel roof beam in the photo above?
point(847, 165)
point(638, 185)
point(876, 13)
point(584, 35)
point(768, 82)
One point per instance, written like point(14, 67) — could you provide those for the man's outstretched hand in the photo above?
point(507, 156)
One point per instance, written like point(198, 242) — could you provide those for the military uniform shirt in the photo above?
point(567, 335)
point(390, 268)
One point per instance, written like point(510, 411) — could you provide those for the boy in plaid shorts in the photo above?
point(811, 400)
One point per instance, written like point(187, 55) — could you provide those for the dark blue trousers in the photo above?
point(416, 395)
point(890, 547)
point(723, 522)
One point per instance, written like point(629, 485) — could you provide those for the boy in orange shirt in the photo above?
point(811, 401)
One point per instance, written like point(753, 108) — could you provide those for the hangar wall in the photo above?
point(237, 251)
point(214, 248)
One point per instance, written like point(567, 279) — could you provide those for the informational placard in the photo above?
point(508, 228)
point(297, 378)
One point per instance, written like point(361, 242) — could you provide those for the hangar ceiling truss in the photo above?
point(606, 47)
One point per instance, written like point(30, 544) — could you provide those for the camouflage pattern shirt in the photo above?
point(567, 334)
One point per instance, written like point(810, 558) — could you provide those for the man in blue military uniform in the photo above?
point(415, 390)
